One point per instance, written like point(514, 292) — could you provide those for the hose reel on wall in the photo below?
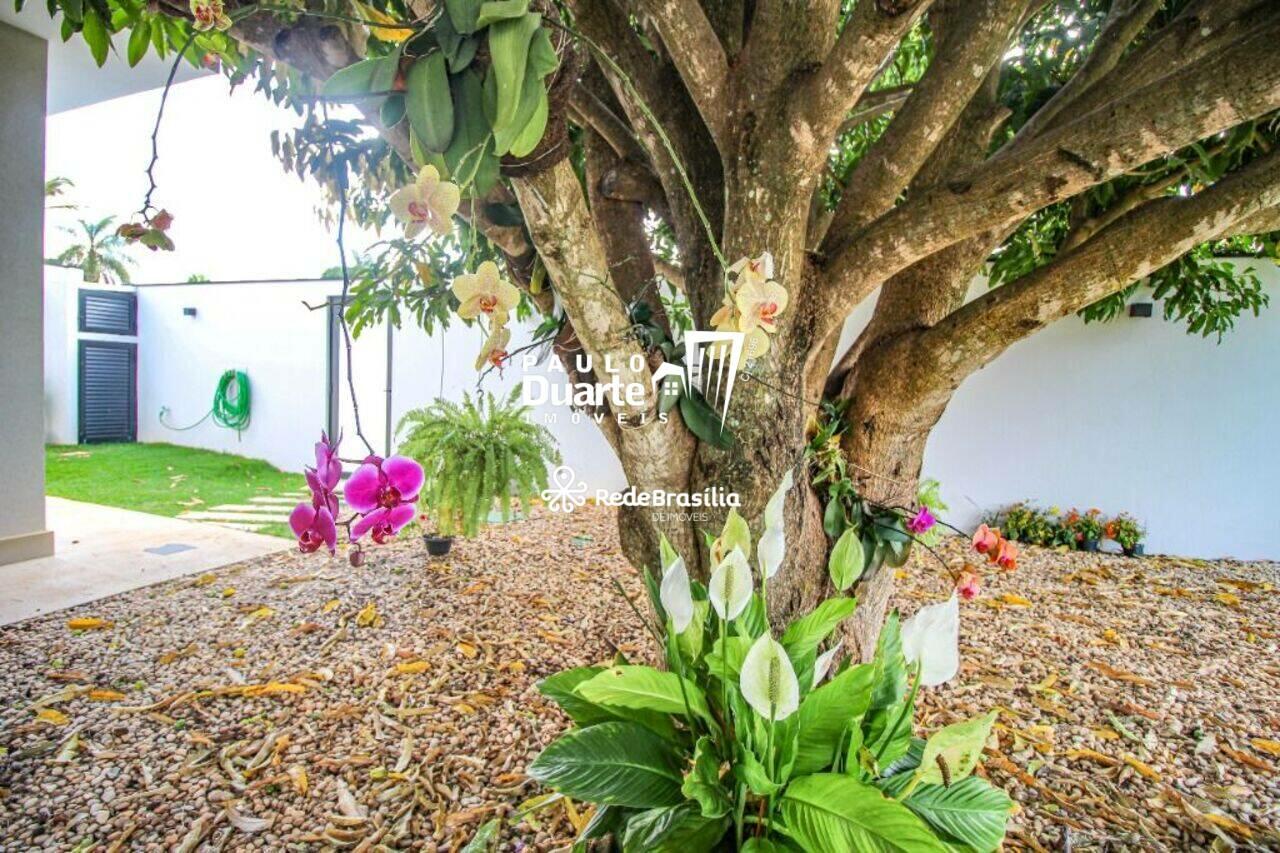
point(230, 408)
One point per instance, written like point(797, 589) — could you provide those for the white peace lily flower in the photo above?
point(730, 587)
point(823, 665)
point(675, 595)
point(769, 681)
point(773, 543)
point(932, 637)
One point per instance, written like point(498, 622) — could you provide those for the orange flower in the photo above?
point(985, 539)
point(1007, 555)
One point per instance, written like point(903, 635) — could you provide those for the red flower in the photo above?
point(1007, 555)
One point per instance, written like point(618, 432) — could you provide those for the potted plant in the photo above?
point(1127, 532)
point(1087, 528)
point(437, 545)
point(475, 454)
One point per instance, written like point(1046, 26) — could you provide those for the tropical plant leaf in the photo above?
point(827, 713)
point(831, 811)
point(675, 829)
point(618, 763)
point(845, 564)
point(958, 747)
point(561, 689)
point(807, 633)
point(429, 102)
point(644, 688)
point(509, 54)
point(972, 811)
point(703, 781)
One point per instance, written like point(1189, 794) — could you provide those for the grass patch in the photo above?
point(163, 479)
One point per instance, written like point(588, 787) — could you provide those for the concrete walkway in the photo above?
point(100, 551)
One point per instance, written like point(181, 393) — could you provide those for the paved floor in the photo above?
point(100, 551)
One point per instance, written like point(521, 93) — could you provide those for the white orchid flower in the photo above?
point(773, 543)
point(823, 665)
point(769, 681)
point(675, 595)
point(730, 587)
point(932, 637)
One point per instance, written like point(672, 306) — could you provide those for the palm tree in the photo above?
point(101, 256)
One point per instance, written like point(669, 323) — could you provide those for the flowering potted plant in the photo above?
point(1127, 532)
point(437, 545)
point(1087, 528)
point(752, 740)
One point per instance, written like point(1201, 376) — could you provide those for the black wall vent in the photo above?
point(108, 391)
point(109, 312)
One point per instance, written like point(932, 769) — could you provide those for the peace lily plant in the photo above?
point(752, 741)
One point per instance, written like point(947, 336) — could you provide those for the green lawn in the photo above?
point(163, 479)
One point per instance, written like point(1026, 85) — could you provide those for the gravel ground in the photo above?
point(293, 702)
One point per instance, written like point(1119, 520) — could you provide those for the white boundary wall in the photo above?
point(1132, 415)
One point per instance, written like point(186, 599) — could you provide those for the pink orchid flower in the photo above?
point(324, 478)
point(985, 539)
point(1007, 555)
point(382, 490)
point(313, 524)
point(968, 585)
point(921, 521)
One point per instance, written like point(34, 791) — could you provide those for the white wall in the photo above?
point(22, 67)
point(261, 328)
point(1130, 415)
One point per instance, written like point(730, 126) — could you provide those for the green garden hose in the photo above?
point(230, 404)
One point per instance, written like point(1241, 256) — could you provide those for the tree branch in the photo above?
point(972, 37)
point(872, 32)
point(1219, 92)
point(698, 55)
point(1125, 20)
point(1144, 241)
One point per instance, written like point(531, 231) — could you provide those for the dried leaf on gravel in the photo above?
point(88, 623)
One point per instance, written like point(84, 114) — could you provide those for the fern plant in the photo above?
point(475, 453)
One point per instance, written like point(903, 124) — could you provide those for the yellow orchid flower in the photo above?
point(429, 202)
point(209, 15)
point(495, 348)
point(484, 291)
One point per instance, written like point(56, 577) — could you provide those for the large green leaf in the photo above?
point(703, 781)
point(845, 564)
point(96, 36)
point(956, 747)
point(891, 666)
point(139, 41)
point(644, 688)
point(509, 54)
point(355, 79)
point(703, 421)
point(619, 763)
point(463, 14)
point(827, 712)
point(429, 102)
point(807, 632)
point(971, 811)
point(562, 689)
point(470, 155)
point(526, 109)
point(675, 829)
point(500, 10)
point(830, 811)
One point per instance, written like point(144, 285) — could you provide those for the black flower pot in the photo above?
point(438, 546)
point(1088, 544)
point(1135, 551)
